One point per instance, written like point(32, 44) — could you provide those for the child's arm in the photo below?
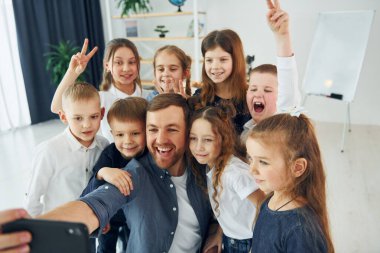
point(287, 73)
point(256, 197)
point(78, 64)
point(118, 177)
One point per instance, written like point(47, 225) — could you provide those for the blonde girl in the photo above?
point(121, 76)
point(286, 163)
point(223, 75)
point(232, 191)
point(171, 66)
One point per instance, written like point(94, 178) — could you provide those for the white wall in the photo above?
point(247, 18)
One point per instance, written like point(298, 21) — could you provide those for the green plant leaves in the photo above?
point(58, 60)
point(133, 6)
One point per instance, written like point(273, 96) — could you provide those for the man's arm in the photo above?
point(74, 211)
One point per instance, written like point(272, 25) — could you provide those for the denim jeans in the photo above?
point(231, 245)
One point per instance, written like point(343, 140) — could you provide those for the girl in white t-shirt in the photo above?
point(233, 193)
point(121, 76)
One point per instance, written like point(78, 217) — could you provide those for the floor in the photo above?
point(353, 178)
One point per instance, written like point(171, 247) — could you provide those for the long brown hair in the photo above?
point(109, 53)
point(183, 58)
point(227, 140)
point(295, 136)
point(230, 42)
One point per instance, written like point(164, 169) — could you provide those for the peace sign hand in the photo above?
point(278, 20)
point(79, 61)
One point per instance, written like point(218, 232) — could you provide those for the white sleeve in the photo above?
point(241, 181)
point(42, 171)
point(288, 90)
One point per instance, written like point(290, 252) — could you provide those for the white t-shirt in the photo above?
point(107, 98)
point(236, 212)
point(187, 236)
point(61, 168)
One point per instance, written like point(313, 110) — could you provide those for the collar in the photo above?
point(75, 144)
point(249, 125)
point(119, 94)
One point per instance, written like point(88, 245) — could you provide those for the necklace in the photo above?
point(285, 204)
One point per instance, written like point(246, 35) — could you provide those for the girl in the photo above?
point(286, 163)
point(171, 65)
point(121, 76)
point(223, 75)
point(230, 187)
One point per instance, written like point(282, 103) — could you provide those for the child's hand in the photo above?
point(118, 177)
point(171, 86)
point(78, 62)
point(278, 20)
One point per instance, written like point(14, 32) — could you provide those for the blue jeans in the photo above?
point(231, 245)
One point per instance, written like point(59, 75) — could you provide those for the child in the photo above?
point(230, 187)
point(223, 75)
point(121, 76)
point(286, 163)
point(171, 65)
point(62, 165)
point(126, 118)
point(272, 88)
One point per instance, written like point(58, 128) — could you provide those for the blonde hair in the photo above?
point(295, 138)
point(109, 53)
point(184, 59)
point(80, 91)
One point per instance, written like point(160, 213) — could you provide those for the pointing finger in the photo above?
point(270, 4)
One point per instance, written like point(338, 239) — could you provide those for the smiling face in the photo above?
point(204, 144)
point(262, 95)
point(168, 70)
point(218, 64)
point(83, 117)
point(166, 137)
point(123, 67)
point(268, 166)
point(129, 137)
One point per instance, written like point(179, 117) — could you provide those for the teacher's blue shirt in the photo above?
point(151, 210)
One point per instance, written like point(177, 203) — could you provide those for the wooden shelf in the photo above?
point(160, 39)
point(150, 61)
point(163, 14)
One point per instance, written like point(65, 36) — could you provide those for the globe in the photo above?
point(177, 3)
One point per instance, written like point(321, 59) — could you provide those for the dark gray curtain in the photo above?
point(41, 23)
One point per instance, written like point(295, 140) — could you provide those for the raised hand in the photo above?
point(18, 241)
point(278, 20)
point(171, 86)
point(79, 61)
point(119, 178)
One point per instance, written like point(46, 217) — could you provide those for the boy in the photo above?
point(126, 118)
point(62, 165)
point(272, 89)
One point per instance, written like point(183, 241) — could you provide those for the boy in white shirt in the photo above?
point(62, 165)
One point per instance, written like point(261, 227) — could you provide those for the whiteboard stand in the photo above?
point(347, 121)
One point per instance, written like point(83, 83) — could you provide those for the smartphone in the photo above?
point(52, 236)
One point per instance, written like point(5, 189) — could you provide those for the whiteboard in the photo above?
point(337, 53)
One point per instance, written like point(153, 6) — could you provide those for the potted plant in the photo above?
point(161, 30)
point(133, 6)
point(58, 60)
